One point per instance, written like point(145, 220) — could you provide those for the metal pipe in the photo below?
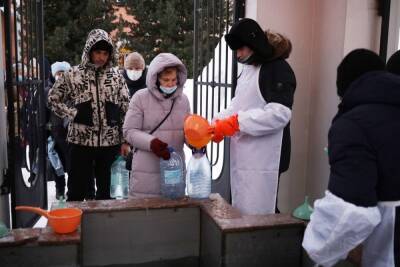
point(41, 102)
point(385, 13)
point(201, 57)
point(208, 58)
point(213, 60)
point(226, 53)
point(220, 50)
point(195, 59)
point(10, 109)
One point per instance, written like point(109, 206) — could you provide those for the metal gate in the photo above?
point(215, 75)
point(25, 76)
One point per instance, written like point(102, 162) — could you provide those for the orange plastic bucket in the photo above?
point(196, 129)
point(62, 221)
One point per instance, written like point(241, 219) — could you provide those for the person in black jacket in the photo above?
point(57, 146)
point(393, 63)
point(362, 203)
point(257, 118)
point(135, 72)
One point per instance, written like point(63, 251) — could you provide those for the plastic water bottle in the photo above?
point(198, 175)
point(3, 230)
point(119, 179)
point(59, 204)
point(172, 180)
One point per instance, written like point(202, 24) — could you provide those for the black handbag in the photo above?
point(129, 157)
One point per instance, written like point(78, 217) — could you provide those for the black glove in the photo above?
point(160, 148)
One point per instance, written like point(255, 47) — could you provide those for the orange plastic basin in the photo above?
point(196, 129)
point(62, 221)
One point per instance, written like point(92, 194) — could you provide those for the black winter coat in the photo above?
point(364, 141)
point(277, 83)
point(134, 86)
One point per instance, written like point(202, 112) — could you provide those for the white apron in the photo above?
point(255, 150)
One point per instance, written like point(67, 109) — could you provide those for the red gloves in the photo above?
point(160, 148)
point(225, 127)
point(216, 138)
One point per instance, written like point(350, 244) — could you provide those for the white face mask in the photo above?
point(134, 75)
point(168, 90)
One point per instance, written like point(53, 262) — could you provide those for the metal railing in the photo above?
point(25, 82)
point(214, 73)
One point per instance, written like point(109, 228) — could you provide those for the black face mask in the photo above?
point(248, 60)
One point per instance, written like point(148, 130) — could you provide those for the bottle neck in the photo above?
point(199, 151)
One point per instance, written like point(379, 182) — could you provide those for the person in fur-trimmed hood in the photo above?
point(142, 129)
point(94, 97)
point(258, 117)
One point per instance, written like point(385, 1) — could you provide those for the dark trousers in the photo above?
point(88, 162)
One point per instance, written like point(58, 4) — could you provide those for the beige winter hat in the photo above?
point(134, 61)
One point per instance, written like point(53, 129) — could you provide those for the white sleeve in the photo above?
point(267, 120)
point(229, 111)
point(336, 227)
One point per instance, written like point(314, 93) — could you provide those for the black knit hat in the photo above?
point(247, 32)
point(393, 64)
point(102, 45)
point(354, 65)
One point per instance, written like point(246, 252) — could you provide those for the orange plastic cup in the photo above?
point(62, 221)
point(196, 129)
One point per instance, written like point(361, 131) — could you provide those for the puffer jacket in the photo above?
point(94, 100)
point(362, 204)
point(146, 110)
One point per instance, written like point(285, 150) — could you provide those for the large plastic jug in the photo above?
point(59, 204)
point(3, 230)
point(172, 180)
point(198, 175)
point(119, 179)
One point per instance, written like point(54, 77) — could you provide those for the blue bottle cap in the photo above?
point(170, 149)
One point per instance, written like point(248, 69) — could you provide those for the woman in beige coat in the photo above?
point(148, 107)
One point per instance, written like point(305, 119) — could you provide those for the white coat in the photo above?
point(147, 108)
point(255, 149)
